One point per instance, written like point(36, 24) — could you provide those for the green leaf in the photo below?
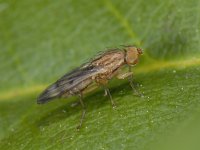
point(42, 40)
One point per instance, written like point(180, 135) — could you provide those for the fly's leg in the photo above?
point(130, 78)
point(83, 111)
point(103, 83)
point(129, 75)
point(107, 92)
point(124, 75)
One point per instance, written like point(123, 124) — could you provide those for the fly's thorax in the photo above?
point(110, 58)
point(132, 55)
point(108, 64)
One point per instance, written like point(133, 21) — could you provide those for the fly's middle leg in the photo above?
point(103, 83)
point(107, 92)
point(83, 110)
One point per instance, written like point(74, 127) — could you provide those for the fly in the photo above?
point(98, 71)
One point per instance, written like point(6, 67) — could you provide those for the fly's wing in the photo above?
point(67, 82)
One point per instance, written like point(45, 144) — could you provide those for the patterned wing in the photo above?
point(67, 82)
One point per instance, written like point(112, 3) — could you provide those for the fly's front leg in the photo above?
point(130, 78)
point(83, 110)
point(129, 75)
point(124, 75)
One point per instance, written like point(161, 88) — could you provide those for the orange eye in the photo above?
point(131, 55)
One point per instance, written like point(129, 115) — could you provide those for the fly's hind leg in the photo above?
point(83, 110)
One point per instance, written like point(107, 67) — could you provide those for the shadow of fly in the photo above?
point(97, 72)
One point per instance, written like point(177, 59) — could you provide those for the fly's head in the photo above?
point(132, 55)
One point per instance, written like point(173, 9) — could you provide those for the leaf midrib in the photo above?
point(181, 64)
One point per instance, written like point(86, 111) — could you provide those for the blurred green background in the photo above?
point(40, 40)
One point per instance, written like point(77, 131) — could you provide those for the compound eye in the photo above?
point(131, 55)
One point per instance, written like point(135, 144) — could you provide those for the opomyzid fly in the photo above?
point(98, 71)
